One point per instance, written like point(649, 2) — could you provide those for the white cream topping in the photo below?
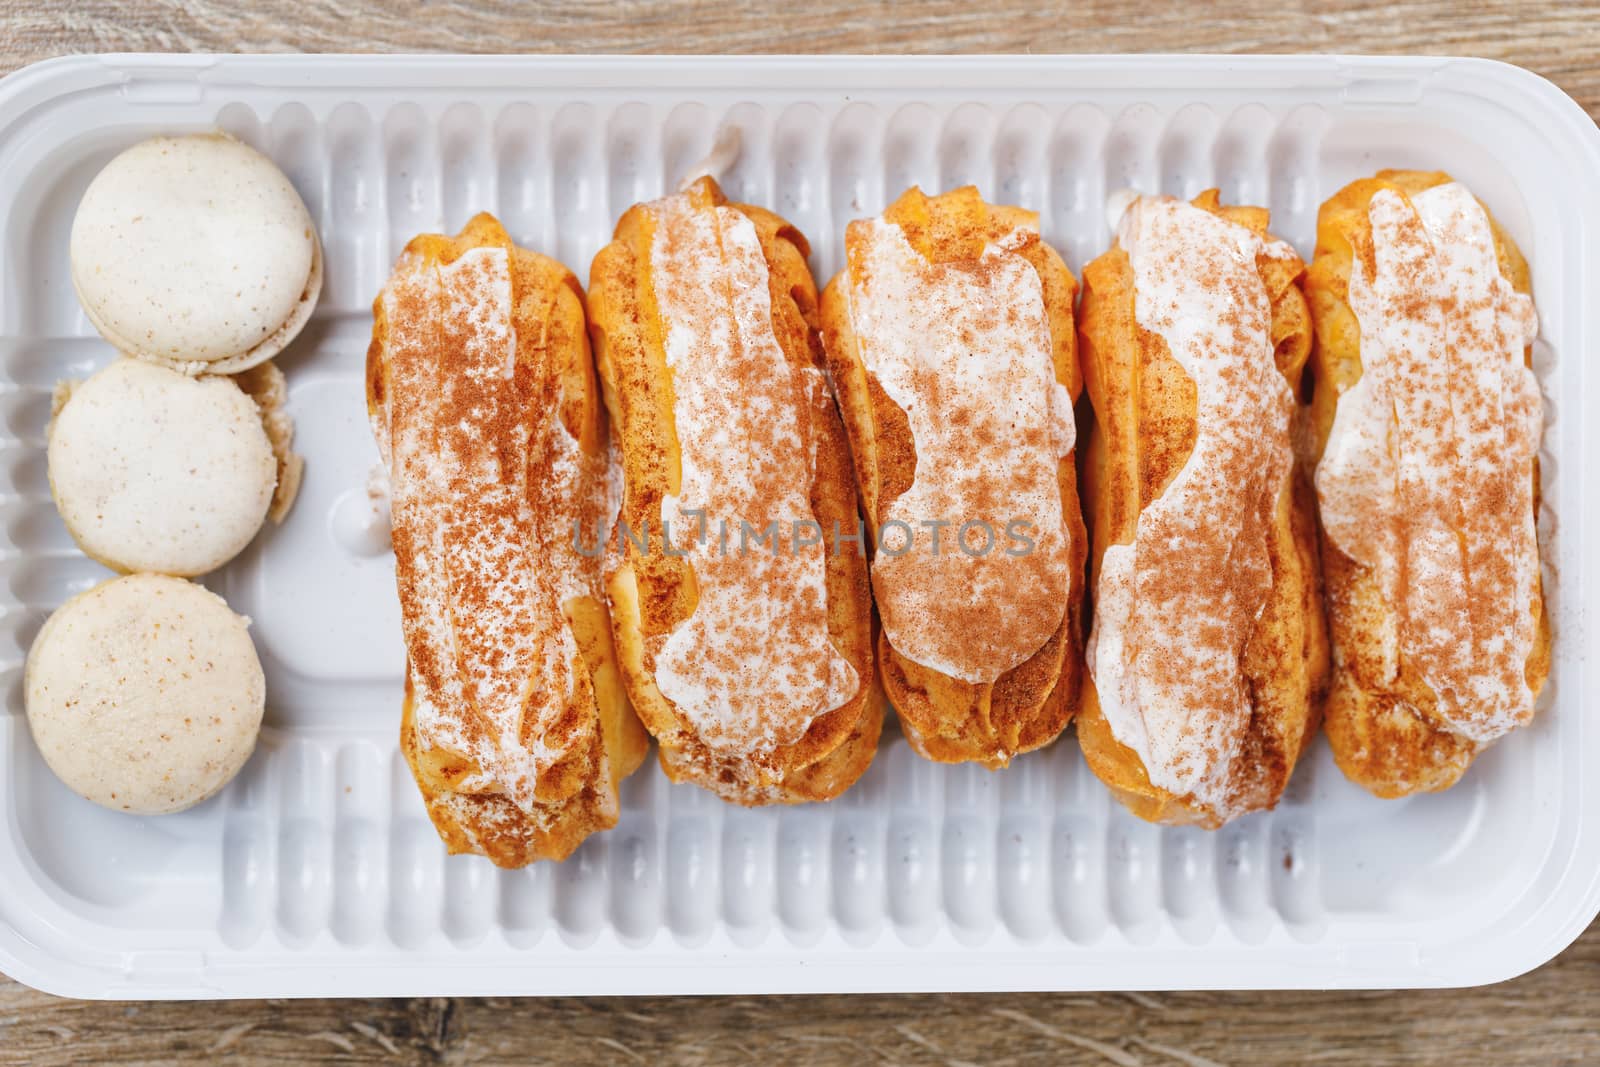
point(1175, 607)
point(1427, 477)
point(754, 664)
point(964, 349)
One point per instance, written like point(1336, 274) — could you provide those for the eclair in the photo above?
point(737, 581)
point(950, 338)
point(484, 403)
point(1208, 654)
point(1426, 422)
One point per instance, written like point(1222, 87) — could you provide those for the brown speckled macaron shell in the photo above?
point(145, 694)
point(196, 253)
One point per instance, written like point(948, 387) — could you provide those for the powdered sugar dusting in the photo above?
point(753, 665)
point(1428, 472)
point(964, 349)
point(1175, 607)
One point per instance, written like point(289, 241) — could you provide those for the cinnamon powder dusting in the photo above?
point(1427, 476)
point(463, 426)
point(754, 664)
point(964, 350)
point(1176, 607)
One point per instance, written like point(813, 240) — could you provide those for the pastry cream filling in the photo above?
point(964, 349)
point(490, 655)
point(1428, 473)
point(1175, 608)
point(754, 664)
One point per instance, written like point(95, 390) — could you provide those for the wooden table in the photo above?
point(1545, 1018)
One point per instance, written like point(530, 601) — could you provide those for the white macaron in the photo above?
point(195, 252)
point(145, 694)
point(152, 470)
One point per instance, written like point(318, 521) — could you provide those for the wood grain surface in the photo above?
point(1546, 1018)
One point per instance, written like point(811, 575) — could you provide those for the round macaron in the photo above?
point(144, 694)
point(196, 253)
point(155, 471)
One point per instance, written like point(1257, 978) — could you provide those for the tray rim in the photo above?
point(838, 967)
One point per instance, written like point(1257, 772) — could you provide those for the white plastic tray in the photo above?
point(317, 873)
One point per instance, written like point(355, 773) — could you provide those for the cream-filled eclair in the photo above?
point(1426, 426)
point(742, 615)
point(1208, 655)
point(950, 337)
point(485, 407)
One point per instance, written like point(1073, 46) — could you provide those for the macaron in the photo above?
point(195, 253)
point(145, 694)
point(156, 471)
